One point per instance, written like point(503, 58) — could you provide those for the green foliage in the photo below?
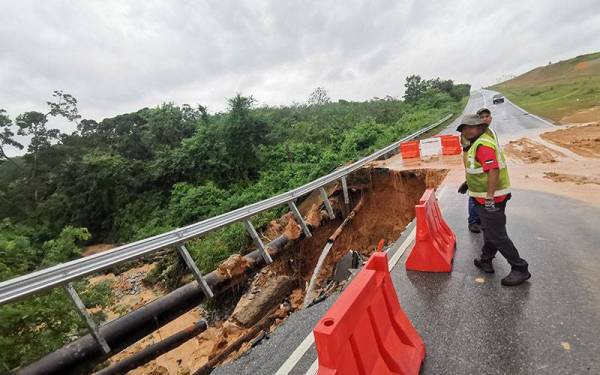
point(415, 88)
point(319, 97)
point(418, 89)
point(143, 173)
point(64, 248)
point(243, 134)
point(35, 326)
point(191, 203)
point(7, 136)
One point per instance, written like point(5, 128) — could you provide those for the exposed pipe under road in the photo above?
point(80, 356)
point(152, 351)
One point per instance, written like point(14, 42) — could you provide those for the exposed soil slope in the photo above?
point(278, 289)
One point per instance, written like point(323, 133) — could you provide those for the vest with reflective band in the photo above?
point(476, 177)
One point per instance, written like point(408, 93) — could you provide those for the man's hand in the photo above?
point(463, 188)
point(490, 205)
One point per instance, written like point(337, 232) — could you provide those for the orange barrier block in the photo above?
point(410, 149)
point(435, 242)
point(450, 144)
point(366, 331)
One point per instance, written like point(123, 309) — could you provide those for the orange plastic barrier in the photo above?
point(450, 144)
point(410, 149)
point(366, 331)
point(435, 242)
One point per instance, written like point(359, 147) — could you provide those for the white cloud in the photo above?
point(116, 56)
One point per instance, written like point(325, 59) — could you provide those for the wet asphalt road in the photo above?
point(469, 322)
point(507, 118)
point(550, 325)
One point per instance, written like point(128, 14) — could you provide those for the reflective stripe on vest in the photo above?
point(476, 177)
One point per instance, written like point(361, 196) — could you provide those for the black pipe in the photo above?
point(152, 351)
point(80, 356)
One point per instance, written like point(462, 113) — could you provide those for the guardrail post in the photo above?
point(23, 286)
point(345, 189)
point(92, 327)
point(328, 207)
point(189, 261)
point(257, 241)
point(300, 219)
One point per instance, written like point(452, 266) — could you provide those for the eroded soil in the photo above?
point(528, 151)
point(582, 140)
point(277, 290)
point(576, 179)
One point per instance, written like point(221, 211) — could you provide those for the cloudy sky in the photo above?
point(119, 56)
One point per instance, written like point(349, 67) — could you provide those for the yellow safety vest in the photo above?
point(476, 178)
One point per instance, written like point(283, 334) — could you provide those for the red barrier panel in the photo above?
point(450, 144)
point(435, 242)
point(366, 331)
point(410, 149)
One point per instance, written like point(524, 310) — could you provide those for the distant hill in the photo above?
point(566, 91)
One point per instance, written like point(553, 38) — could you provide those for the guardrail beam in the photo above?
point(61, 274)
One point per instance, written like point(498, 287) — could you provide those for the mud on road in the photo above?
point(583, 140)
point(528, 151)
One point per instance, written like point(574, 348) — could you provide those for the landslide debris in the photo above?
point(259, 300)
point(577, 179)
point(529, 151)
point(582, 140)
point(277, 290)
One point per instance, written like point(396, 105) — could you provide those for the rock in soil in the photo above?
point(257, 302)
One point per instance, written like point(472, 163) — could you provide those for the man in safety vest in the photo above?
point(488, 183)
point(473, 221)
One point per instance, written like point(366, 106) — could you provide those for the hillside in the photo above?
point(567, 91)
point(138, 174)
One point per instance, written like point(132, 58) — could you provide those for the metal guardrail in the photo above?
point(61, 274)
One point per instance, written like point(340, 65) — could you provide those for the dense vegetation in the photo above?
point(142, 173)
point(558, 90)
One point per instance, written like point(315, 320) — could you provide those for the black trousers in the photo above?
point(496, 239)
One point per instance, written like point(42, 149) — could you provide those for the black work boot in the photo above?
point(516, 277)
point(475, 228)
point(484, 265)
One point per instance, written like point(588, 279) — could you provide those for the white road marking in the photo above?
point(295, 357)
point(313, 368)
point(402, 248)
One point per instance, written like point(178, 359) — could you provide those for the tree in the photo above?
point(243, 134)
point(33, 124)
point(7, 136)
point(319, 97)
point(66, 106)
point(415, 88)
